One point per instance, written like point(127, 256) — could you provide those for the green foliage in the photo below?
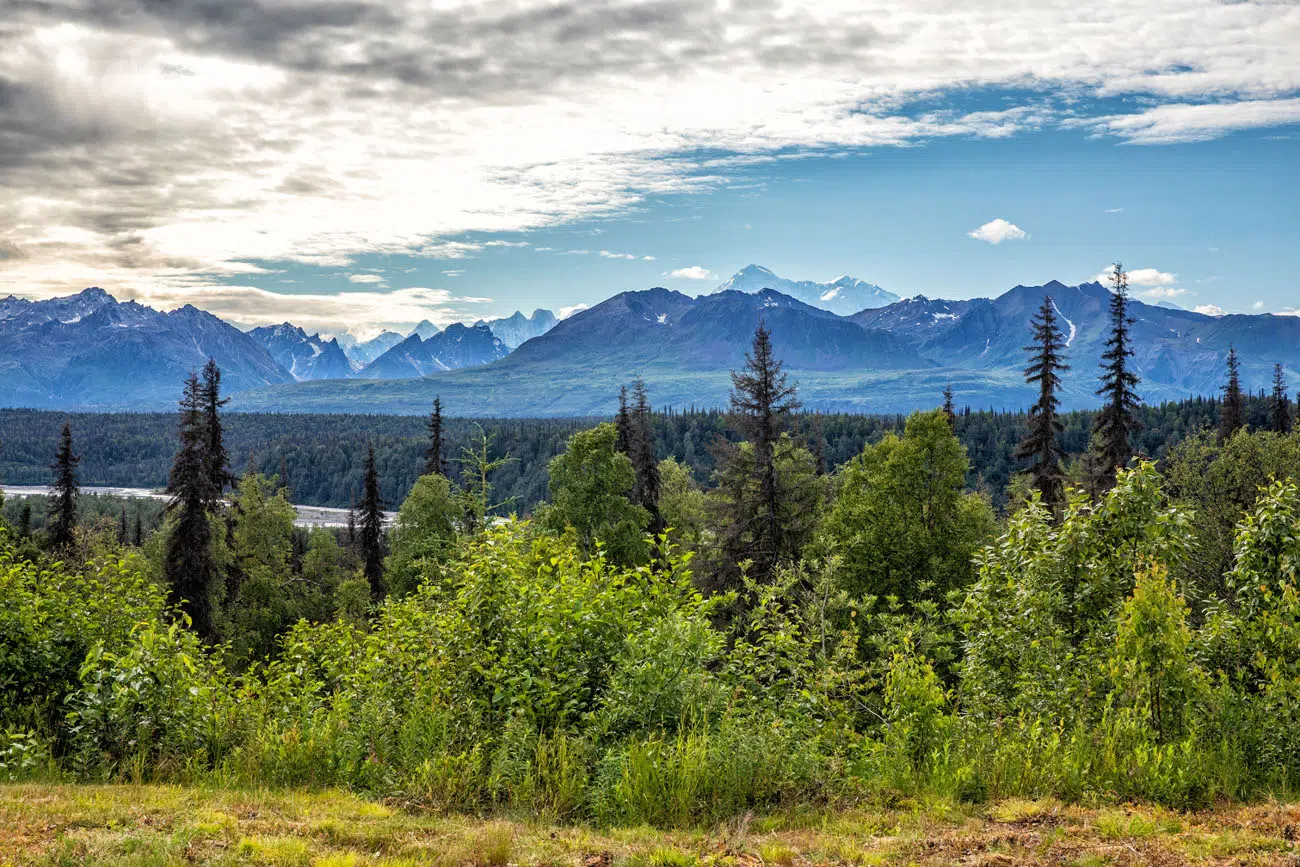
point(262, 600)
point(423, 535)
point(50, 617)
point(902, 524)
point(1041, 613)
point(1219, 482)
point(528, 667)
point(1255, 649)
point(1155, 675)
point(915, 724)
point(590, 485)
point(683, 505)
point(158, 706)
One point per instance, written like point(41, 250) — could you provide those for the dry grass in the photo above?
point(135, 826)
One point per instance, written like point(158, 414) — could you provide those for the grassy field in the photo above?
point(163, 825)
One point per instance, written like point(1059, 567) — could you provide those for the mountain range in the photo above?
point(844, 295)
point(518, 329)
point(90, 351)
point(459, 346)
point(305, 356)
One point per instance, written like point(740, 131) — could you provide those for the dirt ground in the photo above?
point(165, 825)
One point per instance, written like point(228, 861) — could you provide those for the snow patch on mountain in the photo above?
point(1073, 330)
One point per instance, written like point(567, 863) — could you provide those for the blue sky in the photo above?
point(369, 164)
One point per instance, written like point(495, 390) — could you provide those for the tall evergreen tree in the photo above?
point(623, 423)
point(63, 495)
point(1280, 405)
point(122, 533)
point(641, 449)
point(1116, 423)
point(372, 528)
point(138, 536)
point(189, 566)
point(435, 462)
point(819, 444)
point(762, 402)
point(25, 521)
point(217, 459)
point(949, 410)
point(1232, 413)
point(1041, 445)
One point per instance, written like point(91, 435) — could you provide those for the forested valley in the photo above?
point(706, 614)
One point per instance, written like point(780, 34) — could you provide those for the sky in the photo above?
point(356, 165)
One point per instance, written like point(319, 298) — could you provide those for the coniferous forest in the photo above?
point(706, 613)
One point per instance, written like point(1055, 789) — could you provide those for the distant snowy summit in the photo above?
point(843, 296)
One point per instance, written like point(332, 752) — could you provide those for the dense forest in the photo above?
point(808, 626)
point(322, 456)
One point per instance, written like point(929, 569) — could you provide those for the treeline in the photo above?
point(323, 456)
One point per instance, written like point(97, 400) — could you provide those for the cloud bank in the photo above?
point(164, 148)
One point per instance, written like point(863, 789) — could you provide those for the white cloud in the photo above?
point(1141, 277)
point(1258, 305)
point(997, 231)
point(1211, 310)
point(356, 311)
point(365, 278)
point(1114, 210)
point(606, 254)
point(1169, 124)
point(566, 312)
point(694, 272)
point(454, 272)
point(319, 132)
point(1162, 292)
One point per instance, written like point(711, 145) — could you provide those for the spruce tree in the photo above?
point(949, 410)
point(435, 462)
point(138, 535)
point(623, 423)
point(1280, 408)
point(1041, 445)
point(25, 521)
point(191, 572)
point(819, 445)
point(122, 535)
point(762, 402)
point(372, 528)
point(214, 437)
point(63, 494)
point(1117, 422)
point(1232, 413)
point(641, 450)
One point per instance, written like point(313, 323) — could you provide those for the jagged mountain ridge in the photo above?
point(304, 356)
point(362, 352)
point(456, 347)
point(844, 295)
point(656, 326)
point(517, 329)
point(90, 350)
